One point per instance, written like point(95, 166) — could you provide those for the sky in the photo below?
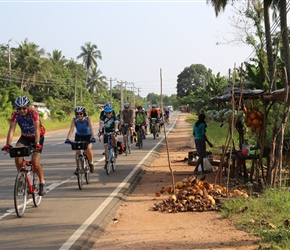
point(140, 41)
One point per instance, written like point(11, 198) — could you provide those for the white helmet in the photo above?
point(22, 101)
point(127, 105)
point(80, 109)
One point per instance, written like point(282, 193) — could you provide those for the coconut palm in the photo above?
point(28, 60)
point(57, 57)
point(96, 82)
point(89, 55)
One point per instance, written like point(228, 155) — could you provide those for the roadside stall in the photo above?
point(243, 110)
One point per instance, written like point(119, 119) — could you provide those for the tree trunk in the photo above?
point(272, 83)
point(284, 34)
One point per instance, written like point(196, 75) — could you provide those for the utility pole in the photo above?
point(122, 97)
point(75, 94)
point(9, 61)
point(133, 93)
point(111, 89)
point(139, 90)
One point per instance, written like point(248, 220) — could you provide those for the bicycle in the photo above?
point(140, 135)
point(166, 119)
point(128, 144)
point(83, 167)
point(110, 155)
point(26, 182)
point(153, 127)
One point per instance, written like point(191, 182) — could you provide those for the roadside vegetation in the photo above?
point(265, 214)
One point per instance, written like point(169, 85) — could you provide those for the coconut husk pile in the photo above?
point(194, 195)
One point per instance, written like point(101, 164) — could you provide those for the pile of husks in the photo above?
point(194, 195)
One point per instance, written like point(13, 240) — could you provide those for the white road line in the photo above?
point(98, 211)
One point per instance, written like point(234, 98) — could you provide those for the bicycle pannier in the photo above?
point(79, 145)
point(120, 147)
point(20, 151)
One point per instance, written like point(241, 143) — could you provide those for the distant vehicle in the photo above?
point(170, 108)
point(41, 107)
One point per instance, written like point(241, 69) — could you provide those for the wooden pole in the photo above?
point(166, 141)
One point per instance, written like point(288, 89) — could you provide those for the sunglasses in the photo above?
point(108, 113)
point(21, 108)
point(79, 113)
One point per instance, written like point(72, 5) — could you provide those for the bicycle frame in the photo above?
point(140, 135)
point(126, 132)
point(154, 126)
point(110, 160)
point(26, 182)
point(83, 162)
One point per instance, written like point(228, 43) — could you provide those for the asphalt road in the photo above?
point(67, 217)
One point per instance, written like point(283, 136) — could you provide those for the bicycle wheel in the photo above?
point(80, 174)
point(86, 169)
point(154, 131)
point(35, 195)
point(20, 194)
point(107, 162)
point(113, 160)
point(126, 145)
point(128, 148)
point(139, 138)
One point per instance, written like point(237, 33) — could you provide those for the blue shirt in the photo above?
point(82, 128)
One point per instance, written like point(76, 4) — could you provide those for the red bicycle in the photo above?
point(26, 182)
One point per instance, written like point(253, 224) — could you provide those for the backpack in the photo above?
point(120, 147)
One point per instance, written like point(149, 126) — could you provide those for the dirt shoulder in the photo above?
point(136, 226)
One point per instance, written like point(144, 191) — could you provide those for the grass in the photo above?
point(268, 216)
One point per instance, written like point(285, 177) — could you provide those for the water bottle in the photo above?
point(36, 181)
point(30, 177)
point(246, 148)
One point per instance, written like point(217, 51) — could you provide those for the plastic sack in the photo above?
point(206, 165)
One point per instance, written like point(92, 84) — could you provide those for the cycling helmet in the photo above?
point(139, 107)
point(22, 101)
point(108, 109)
point(153, 105)
point(127, 105)
point(80, 109)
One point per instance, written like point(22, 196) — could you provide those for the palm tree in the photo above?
point(57, 57)
point(28, 60)
point(90, 54)
point(96, 82)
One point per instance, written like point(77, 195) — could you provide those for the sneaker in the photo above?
point(76, 171)
point(42, 189)
point(92, 167)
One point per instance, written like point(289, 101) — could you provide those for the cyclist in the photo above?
point(32, 132)
point(84, 132)
point(154, 112)
point(110, 124)
point(103, 112)
point(127, 118)
point(166, 115)
point(140, 118)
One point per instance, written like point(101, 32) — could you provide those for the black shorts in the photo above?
point(137, 127)
point(27, 141)
point(82, 137)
